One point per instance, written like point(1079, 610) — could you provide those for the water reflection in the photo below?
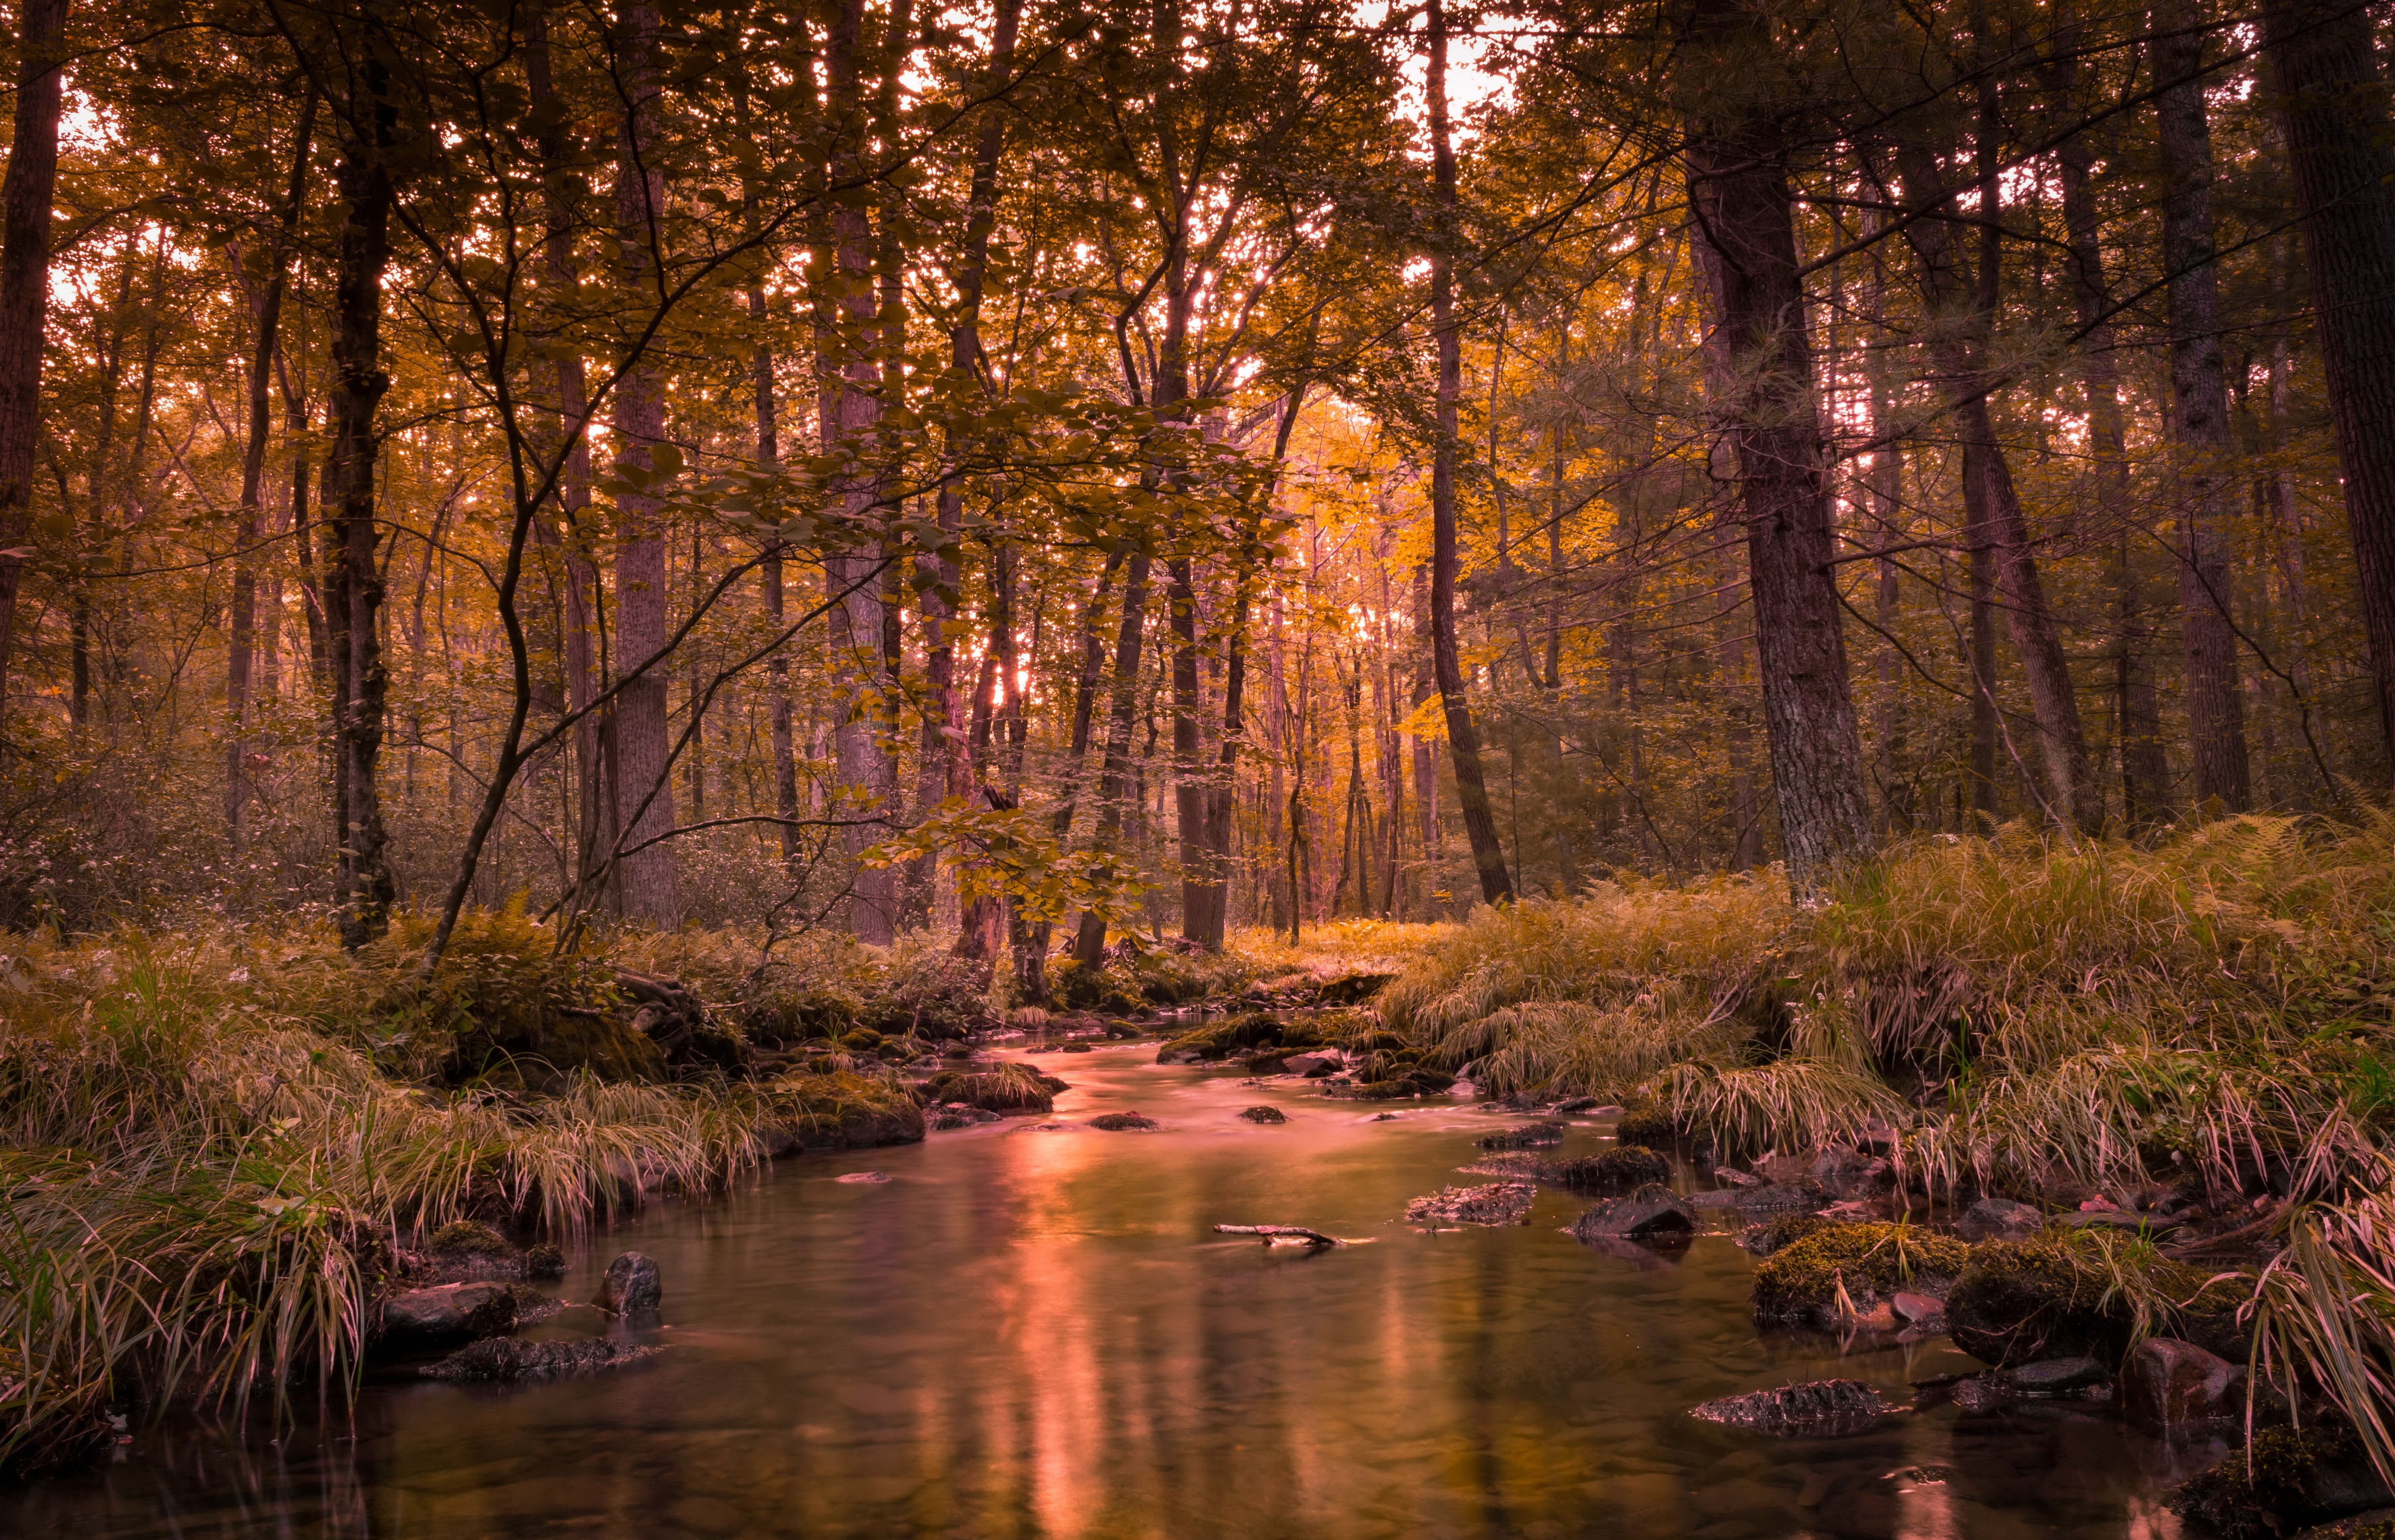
point(1035, 1334)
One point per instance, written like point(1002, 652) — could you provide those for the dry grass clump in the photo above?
point(2217, 1010)
point(208, 1175)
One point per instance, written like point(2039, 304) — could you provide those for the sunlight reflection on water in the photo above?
point(1029, 1333)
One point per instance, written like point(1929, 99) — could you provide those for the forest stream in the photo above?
point(1031, 1329)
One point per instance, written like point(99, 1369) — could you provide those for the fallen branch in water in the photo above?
point(1276, 1232)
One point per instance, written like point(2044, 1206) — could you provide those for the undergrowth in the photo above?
point(2214, 1011)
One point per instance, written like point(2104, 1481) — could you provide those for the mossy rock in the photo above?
point(1617, 1170)
point(2057, 1296)
point(1775, 1235)
point(1647, 1125)
point(1220, 1040)
point(470, 1238)
point(863, 1039)
point(1004, 1088)
point(1802, 1283)
point(2286, 1477)
point(843, 1110)
point(779, 1017)
point(1087, 988)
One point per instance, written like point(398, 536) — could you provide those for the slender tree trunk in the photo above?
point(1747, 235)
point(2002, 560)
point(1463, 740)
point(643, 782)
point(1089, 942)
point(253, 477)
point(562, 195)
point(2341, 144)
point(26, 195)
point(2138, 723)
point(2199, 418)
point(362, 887)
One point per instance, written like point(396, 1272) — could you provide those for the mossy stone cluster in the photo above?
point(470, 1238)
point(1646, 1123)
point(1002, 1088)
point(2284, 1479)
point(1621, 1169)
point(843, 1110)
point(1812, 1279)
point(2060, 1296)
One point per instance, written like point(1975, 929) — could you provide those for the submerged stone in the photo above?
point(1999, 1219)
point(1651, 1213)
point(1820, 1407)
point(1264, 1115)
point(448, 1312)
point(1493, 1203)
point(2061, 1376)
point(514, 1361)
point(1525, 1135)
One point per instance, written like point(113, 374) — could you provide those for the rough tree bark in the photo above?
point(1746, 231)
point(2207, 489)
point(862, 757)
point(2341, 143)
point(363, 889)
point(1463, 740)
point(643, 780)
point(25, 197)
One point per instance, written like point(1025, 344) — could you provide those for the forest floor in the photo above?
point(2109, 1102)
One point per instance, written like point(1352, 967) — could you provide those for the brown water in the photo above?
point(1036, 1334)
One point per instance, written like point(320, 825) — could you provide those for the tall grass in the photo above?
point(2217, 1009)
point(207, 1180)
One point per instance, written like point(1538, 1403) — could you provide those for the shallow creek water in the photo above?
point(1029, 1334)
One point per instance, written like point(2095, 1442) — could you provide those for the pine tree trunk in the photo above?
point(1463, 738)
point(2199, 418)
point(26, 195)
point(363, 888)
point(1747, 235)
point(2341, 145)
point(644, 785)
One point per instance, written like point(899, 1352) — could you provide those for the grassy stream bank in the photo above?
point(225, 1146)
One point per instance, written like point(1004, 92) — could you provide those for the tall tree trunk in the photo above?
point(1089, 942)
point(946, 768)
point(253, 477)
point(765, 407)
point(25, 200)
point(2199, 417)
point(1463, 740)
point(363, 888)
point(1999, 531)
point(2137, 719)
point(859, 749)
point(2341, 143)
point(562, 195)
point(643, 781)
point(1747, 235)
